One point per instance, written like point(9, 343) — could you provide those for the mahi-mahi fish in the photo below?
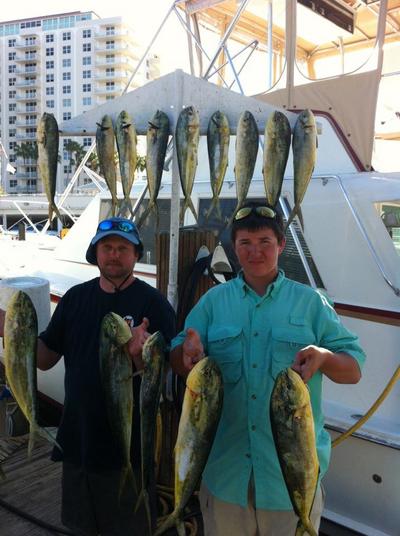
point(20, 345)
point(153, 356)
point(47, 137)
point(105, 153)
point(304, 156)
point(276, 151)
point(294, 436)
point(187, 136)
point(201, 411)
point(246, 150)
point(125, 135)
point(157, 143)
point(116, 377)
point(218, 137)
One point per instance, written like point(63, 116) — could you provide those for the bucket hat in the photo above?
point(114, 227)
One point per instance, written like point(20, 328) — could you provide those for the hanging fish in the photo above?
point(105, 153)
point(304, 157)
point(125, 135)
point(47, 140)
point(276, 151)
point(187, 136)
point(157, 142)
point(246, 156)
point(218, 137)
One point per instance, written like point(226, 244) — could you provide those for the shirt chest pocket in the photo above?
point(225, 345)
point(286, 342)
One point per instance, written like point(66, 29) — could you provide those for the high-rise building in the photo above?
point(62, 64)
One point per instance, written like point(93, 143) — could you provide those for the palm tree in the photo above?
point(24, 151)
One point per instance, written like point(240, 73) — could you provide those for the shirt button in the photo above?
point(247, 455)
point(253, 397)
point(253, 427)
point(255, 334)
point(254, 365)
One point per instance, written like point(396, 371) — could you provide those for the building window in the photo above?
point(68, 169)
point(12, 69)
point(12, 56)
point(12, 43)
point(86, 88)
point(12, 81)
point(30, 41)
point(12, 107)
point(87, 101)
point(110, 45)
point(49, 104)
point(67, 116)
point(87, 60)
point(12, 145)
point(67, 76)
point(12, 133)
point(110, 58)
point(50, 64)
point(110, 97)
point(31, 132)
point(50, 51)
point(12, 94)
point(49, 38)
point(66, 90)
point(87, 142)
point(30, 106)
point(66, 49)
point(110, 72)
point(13, 183)
point(12, 119)
point(86, 34)
point(66, 36)
point(30, 67)
point(87, 47)
point(110, 86)
point(66, 103)
point(50, 77)
point(87, 74)
point(110, 30)
point(66, 63)
point(50, 90)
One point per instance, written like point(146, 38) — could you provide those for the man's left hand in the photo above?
point(135, 345)
point(309, 360)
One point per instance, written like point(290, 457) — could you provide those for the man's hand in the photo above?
point(309, 360)
point(340, 367)
point(135, 344)
point(192, 349)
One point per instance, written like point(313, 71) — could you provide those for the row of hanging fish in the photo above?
point(277, 139)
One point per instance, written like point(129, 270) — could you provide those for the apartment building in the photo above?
point(62, 64)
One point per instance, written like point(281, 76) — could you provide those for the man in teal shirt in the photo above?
point(254, 326)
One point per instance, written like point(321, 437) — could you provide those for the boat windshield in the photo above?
point(389, 211)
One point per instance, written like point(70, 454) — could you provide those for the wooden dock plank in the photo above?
point(32, 486)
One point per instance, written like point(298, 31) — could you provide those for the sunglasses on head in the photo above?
point(124, 226)
point(265, 212)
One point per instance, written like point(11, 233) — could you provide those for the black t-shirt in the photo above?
point(84, 433)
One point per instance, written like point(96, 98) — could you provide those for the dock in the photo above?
point(32, 486)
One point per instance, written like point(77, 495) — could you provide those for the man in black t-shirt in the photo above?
point(91, 457)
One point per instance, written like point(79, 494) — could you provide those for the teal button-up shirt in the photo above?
point(253, 338)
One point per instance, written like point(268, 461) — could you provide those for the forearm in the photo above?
point(46, 358)
point(341, 368)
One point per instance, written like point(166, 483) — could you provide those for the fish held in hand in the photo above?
point(294, 436)
point(20, 346)
point(201, 411)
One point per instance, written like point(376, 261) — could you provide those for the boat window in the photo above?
point(334, 41)
point(390, 215)
point(289, 261)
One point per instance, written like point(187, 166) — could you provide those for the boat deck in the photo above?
point(32, 486)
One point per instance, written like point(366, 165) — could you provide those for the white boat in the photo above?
point(350, 247)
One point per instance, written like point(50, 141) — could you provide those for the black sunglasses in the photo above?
point(124, 226)
point(265, 212)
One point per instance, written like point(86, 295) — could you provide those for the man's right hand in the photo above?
point(192, 349)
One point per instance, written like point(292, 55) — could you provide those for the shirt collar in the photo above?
point(272, 288)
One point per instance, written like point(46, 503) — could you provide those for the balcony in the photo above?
point(31, 57)
point(28, 162)
point(116, 75)
point(23, 45)
point(28, 175)
point(22, 98)
point(116, 90)
point(30, 70)
point(30, 83)
point(26, 136)
point(119, 34)
point(120, 48)
point(26, 123)
point(117, 61)
point(24, 111)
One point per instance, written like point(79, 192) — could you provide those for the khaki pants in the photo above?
point(221, 518)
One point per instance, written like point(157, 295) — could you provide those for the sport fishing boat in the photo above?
point(349, 247)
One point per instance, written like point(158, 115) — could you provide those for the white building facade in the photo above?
point(62, 64)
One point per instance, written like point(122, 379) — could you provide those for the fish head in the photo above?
point(106, 122)
point(190, 116)
point(292, 389)
point(155, 344)
point(20, 307)
point(115, 328)
point(307, 119)
point(124, 119)
point(205, 377)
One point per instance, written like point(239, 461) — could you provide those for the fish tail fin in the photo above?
point(172, 520)
point(114, 205)
point(144, 216)
point(305, 526)
point(43, 432)
point(50, 212)
point(293, 214)
point(2, 474)
point(126, 476)
point(125, 208)
point(300, 216)
point(144, 497)
point(215, 205)
point(188, 204)
point(55, 208)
